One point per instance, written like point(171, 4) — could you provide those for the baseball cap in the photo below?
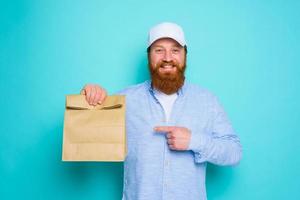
point(166, 30)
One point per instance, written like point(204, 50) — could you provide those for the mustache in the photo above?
point(164, 63)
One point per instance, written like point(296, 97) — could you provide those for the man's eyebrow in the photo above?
point(176, 45)
point(158, 46)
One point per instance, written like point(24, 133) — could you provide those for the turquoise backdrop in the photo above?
point(246, 52)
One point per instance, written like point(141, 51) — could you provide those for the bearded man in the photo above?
point(173, 127)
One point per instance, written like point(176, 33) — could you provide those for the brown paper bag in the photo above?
point(94, 133)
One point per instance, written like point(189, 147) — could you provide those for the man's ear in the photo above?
point(185, 48)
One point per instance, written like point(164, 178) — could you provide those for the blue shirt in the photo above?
point(154, 172)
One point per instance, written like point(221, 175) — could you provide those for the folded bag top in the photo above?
point(79, 102)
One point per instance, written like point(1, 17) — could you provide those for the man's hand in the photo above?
point(178, 138)
point(94, 94)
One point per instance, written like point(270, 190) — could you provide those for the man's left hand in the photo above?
point(178, 138)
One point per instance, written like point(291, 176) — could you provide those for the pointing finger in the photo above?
point(164, 128)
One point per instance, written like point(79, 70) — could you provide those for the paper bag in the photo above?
point(94, 133)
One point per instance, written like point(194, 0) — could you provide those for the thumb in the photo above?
point(83, 92)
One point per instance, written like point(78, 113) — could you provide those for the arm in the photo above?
point(222, 146)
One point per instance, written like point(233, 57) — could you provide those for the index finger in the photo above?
point(164, 128)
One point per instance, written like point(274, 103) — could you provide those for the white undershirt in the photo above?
point(166, 101)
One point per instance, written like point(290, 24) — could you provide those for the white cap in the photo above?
point(166, 30)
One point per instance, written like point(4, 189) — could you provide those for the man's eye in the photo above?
point(175, 50)
point(158, 50)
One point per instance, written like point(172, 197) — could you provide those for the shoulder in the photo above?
point(204, 97)
point(137, 89)
point(198, 91)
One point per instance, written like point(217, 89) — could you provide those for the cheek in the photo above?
point(177, 59)
point(155, 61)
point(181, 59)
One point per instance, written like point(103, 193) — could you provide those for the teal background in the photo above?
point(246, 52)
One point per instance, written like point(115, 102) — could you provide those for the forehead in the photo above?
point(166, 42)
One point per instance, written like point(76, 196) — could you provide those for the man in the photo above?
point(173, 127)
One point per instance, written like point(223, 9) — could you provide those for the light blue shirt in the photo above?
point(154, 172)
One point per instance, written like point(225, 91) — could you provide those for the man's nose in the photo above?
point(167, 56)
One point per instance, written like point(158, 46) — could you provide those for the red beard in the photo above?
point(167, 83)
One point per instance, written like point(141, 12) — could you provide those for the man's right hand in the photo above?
point(94, 94)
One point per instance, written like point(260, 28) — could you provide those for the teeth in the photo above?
point(167, 66)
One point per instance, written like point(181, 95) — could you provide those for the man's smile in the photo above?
point(167, 68)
